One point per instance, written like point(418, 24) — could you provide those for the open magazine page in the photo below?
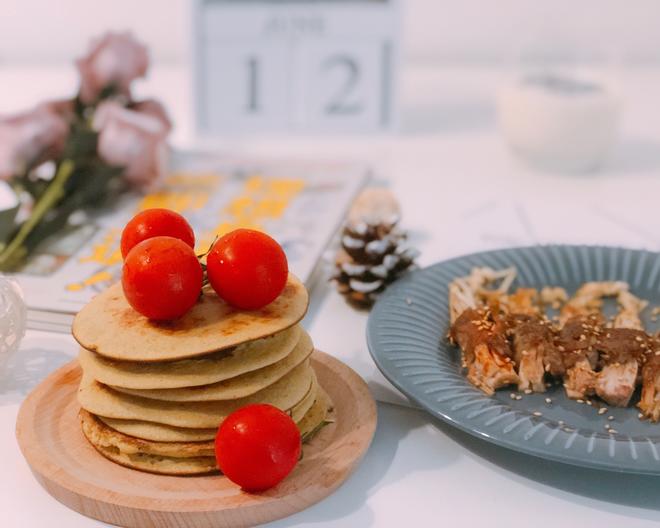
point(301, 204)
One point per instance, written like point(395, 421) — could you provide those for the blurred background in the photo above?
point(435, 32)
point(514, 109)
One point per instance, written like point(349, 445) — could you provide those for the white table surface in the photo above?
point(460, 191)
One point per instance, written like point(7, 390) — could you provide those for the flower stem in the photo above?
point(51, 196)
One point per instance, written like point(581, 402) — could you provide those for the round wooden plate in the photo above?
point(70, 469)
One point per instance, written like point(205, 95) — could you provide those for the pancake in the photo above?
point(206, 370)
point(102, 435)
point(159, 432)
point(110, 327)
point(233, 388)
point(101, 400)
point(167, 433)
point(316, 414)
point(194, 458)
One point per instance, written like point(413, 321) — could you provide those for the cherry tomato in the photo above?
point(162, 278)
point(152, 223)
point(257, 446)
point(247, 268)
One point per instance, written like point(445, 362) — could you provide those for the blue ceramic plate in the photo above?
point(406, 337)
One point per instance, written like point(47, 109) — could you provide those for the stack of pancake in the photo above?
point(153, 394)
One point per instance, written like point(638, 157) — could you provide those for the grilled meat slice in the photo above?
point(580, 380)
point(485, 351)
point(534, 351)
point(616, 383)
point(622, 351)
point(489, 371)
point(649, 403)
point(576, 342)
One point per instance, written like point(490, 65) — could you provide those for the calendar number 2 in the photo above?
point(340, 103)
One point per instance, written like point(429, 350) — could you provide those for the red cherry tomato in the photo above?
point(152, 223)
point(257, 446)
point(162, 278)
point(247, 268)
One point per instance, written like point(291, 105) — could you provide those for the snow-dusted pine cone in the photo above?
point(372, 256)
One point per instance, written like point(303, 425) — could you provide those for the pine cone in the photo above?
point(372, 257)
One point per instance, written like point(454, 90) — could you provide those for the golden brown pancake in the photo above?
point(135, 454)
point(233, 388)
point(204, 370)
point(101, 400)
point(167, 433)
point(109, 326)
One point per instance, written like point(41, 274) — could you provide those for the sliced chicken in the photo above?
point(534, 351)
point(489, 371)
point(622, 351)
point(484, 348)
point(616, 383)
point(576, 342)
point(649, 403)
point(580, 380)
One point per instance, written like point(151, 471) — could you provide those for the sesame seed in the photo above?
point(512, 396)
point(528, 391)
point(602, 410)
point(561, 348)
point(561, 422)
point(640, 416)
point(607, 426)
point(613, 431)
point(537, 413)
point(408, 301)
point(518, 397)
point(610, 417)
point(580, 400)
point(638, 338)
point(548, 400)
point(589, 402)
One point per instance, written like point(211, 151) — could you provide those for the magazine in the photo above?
point(301, 204)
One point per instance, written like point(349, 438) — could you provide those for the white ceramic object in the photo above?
point(560, 122)
point(13, 316)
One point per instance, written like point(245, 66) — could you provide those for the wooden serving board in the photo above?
point(70, 469)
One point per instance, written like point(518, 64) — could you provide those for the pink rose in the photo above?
point(30, 138)
point(114, 60)
point(133, 140)
point(153, 108)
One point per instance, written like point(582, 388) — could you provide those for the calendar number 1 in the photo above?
point(253, 85)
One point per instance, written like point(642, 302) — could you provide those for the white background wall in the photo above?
point(40, 31)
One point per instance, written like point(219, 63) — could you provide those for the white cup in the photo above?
point(564, 123)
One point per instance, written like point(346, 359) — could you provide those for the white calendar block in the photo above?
point(248, 86)
point(345, 85)
point(300, 66)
